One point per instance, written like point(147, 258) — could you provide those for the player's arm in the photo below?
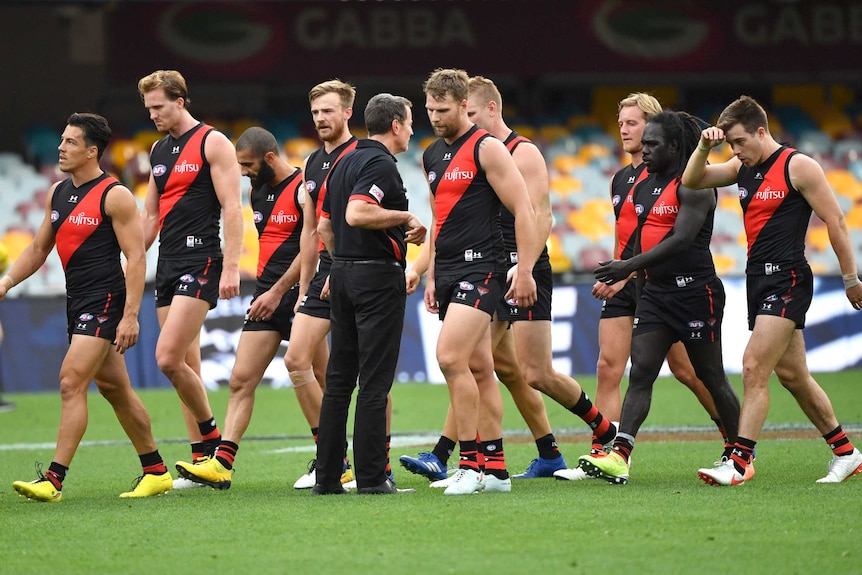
point(807, 176)
point(504, 177)
point(698, 174)
point(120, 205)
point(226, 177)
point(150, 212)
point(309, 241)
point(694, 207)
point(418, 268)
point(533, 169)
point(35, 254)
point(430, 297)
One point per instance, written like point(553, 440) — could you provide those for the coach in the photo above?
point(365, 225)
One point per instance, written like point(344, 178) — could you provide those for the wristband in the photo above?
point(850, 280)
point(12, 282)
point(702, 148)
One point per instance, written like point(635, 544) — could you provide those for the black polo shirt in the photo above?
point(369, 174)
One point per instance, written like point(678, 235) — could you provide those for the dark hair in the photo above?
point(382, 109)
point(745, 111)
point(258, 140)
point(682, 127)
point(96, 130)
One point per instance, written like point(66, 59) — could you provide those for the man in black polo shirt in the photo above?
point(365, 225)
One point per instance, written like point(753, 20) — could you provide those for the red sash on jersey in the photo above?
point(457, 188)
point(178, 183)
point(319, 207)
point(285, 203)
point(91, 203)
point(624, 235)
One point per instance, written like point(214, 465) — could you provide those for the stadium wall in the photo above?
point(36, 341)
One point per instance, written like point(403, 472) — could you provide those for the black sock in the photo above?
point(153, 463)
point(547, 447)
point(444, 449)
point(226, 453)
point(56, 474)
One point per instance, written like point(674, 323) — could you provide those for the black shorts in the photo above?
point(281, 319)
point(783, 294)
point(481, 290)
point(192, 277)
point(541, 310)
point(623, 304)
point(96, 315)
point(693, 314)
point(312, 304)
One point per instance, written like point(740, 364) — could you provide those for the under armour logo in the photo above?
point(73, 199)
point(326, 165)
point(270, 198)
point(656, 191)
point(175, 150)
point(758, 176)
point(447, 156)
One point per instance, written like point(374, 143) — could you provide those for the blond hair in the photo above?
point(171, 81)
point(646, 102)
point(345, 91)
point(486, 90)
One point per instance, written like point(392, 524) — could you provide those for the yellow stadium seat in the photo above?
point(560, 262)
point(300, 147)
point(565, 163)
point(565, 185)
point(854, 217)
point(844, 183)
point(723, 263)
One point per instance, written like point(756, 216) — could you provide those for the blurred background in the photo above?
point(562, 66)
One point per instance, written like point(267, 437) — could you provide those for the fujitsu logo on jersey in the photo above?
point(282, 218)
point(770, 194)
point(664, 209)
point(457, 173)
point(187, 167)
point(81, 219)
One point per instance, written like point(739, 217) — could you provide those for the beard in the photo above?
point(264, 176)
point(335, 132)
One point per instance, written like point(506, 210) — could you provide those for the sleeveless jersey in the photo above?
point(189, 210)
point(278, 219)
point(775, 214)
point(317, 168)
point(622, 197)
point(467, 232)
point(86, 242)
point(657, 206)
point(507, 219)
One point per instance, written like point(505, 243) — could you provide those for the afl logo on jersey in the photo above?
point(258, 217)
point(743, 193)
point(616, 200)
point(310, 186)
point(465, 286)
point(159, 170)
point(432, 176)
point(187, 278)
point(55, 215)
point(85, 317)
point(639, 209)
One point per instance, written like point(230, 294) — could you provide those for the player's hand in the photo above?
point(523, 290)
point(127, 334)
point(603, 291)
point(412, 281)
point(416, 231)
point(264, 306)
point(228, 285)
point(712, 137)
point(612, 271)
point(854, 294)
point(324, 291)
point(431, 303)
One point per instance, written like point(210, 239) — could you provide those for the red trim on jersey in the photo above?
point(92, 203)
point(625, 233)
point(178, 183)
point(455, 190)
point(319, 207)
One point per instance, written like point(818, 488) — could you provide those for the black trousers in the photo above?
point(368, 301)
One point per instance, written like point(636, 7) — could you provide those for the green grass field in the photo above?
point(664, 521)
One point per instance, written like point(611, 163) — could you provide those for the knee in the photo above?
point(294, 363)
point(241, 386)
point(450, 363)
point(791, 379)
point(685, 375)
point(169, 363)
point(610, 367)
point(72, 385)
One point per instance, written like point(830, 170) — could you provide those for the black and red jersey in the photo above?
point(317, 167)
point(278, 219)
point(622, 197)
point(86, 242)
point(775, 214)
point(189, 210)
point(507, 219)
point(657, 205)
point(467, 233)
